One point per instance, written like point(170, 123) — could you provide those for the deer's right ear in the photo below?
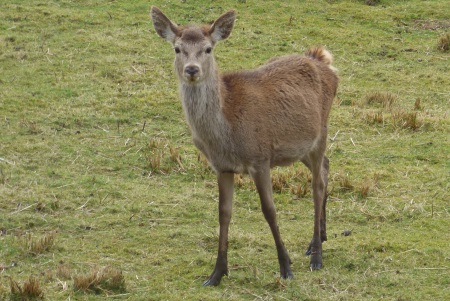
point(223, 26)
point(165, 28)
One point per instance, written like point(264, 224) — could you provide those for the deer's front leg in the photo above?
point(263, 183)
point(226, 182)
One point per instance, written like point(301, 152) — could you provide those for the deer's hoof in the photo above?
point(287, 274)
point(314, 267)
point(211, 282)
point(215, 278)
point(316, 261)
point(285, 269)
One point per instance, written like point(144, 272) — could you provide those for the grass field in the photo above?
point(103, 195)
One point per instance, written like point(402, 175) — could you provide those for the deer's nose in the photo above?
point(191, 70)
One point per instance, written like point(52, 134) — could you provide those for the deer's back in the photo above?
point(279, 110)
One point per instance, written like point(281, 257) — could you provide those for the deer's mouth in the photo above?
point(192, 78)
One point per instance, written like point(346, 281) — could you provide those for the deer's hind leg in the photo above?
point(319, 166)
point(323, 217)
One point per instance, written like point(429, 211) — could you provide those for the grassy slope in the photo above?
point(94, 148)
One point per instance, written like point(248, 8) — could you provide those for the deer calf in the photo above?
point(250, 121)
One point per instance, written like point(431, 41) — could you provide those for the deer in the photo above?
point(247, 122)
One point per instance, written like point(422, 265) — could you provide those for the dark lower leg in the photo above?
point(318, 183)
point(323, 218)
point(225, 181)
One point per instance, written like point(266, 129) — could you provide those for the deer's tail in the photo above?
point(322, 55)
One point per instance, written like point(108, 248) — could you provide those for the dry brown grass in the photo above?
point(380, 99)
point(406, 120)
point(417, 104)
point(63, 272)
point(295, 180)
point(30, 290)
point(35, 246)
point(162, 157)
point(389, 113)
point(100, 280)
point(444, 43)
point(154, 161)
point(344, 182)
point(280, 181)
point(374, 117)
point(300, 189)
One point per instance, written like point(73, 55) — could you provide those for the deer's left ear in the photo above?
point(221, 28)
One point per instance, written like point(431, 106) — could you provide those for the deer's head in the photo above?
point(193, 45)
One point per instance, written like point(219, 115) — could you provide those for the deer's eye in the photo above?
point(208, 50)
point(177, 49)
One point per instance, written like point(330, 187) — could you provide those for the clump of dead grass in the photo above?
point(374, 117)
point(161, 157)
point(406, 120)
point(389, 113)
point(342, 183)
point(30, 290)
point(63, 272)
point(301, 189)
point(444, 43)
point(242, 181)
point(366, 187)
point(100, 280)
point(35, 246)
point(280, 181)
point(295, 180)
point(417, 104)
point(380, 99)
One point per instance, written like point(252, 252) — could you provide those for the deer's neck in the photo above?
point(202, 106)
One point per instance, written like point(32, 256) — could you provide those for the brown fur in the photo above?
point(250, 121)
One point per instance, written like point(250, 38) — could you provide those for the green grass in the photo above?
point(99, 177)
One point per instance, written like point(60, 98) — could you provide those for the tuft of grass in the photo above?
point(344, 182)
point(381, 99)
point(30, 290)
point(100, 280)
point(35, 246)
point(280, 181)
point(154, 160)
point(63, 272)
point(301, 189)
point(444, 43)
point(162, 157)
point(292, 179)
point(3, 178)
point(407, 120)
point(374, 117)
point(417, 104)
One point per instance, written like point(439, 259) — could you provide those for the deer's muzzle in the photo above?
point(192, 73)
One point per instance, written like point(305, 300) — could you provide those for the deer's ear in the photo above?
point(165, 28)
point(222, 27)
